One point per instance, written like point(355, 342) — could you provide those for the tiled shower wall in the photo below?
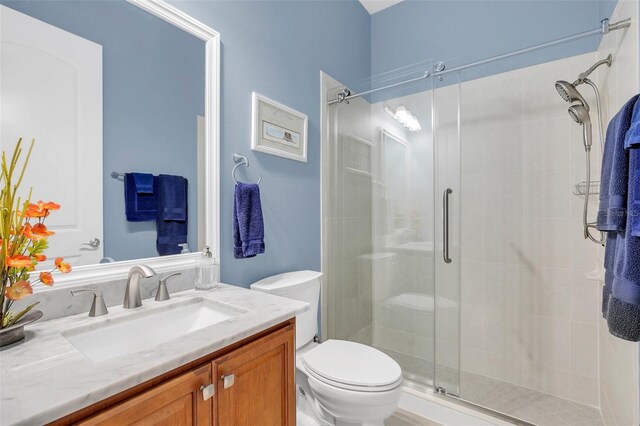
point(528, 313)
point(619, 398)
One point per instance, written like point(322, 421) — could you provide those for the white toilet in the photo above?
point(340, 382)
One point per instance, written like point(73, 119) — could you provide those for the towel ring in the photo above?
point(241, 160)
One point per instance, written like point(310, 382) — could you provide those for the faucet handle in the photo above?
point(98, 307)
point(165, 279)
point(162, 293)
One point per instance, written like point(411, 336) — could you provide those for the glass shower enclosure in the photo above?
point(435, 194)
point(391, 221)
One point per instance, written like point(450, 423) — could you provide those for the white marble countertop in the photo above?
point(45, 377)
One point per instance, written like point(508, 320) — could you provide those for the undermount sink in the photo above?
point(142, 330)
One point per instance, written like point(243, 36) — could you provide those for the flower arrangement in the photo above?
point(23, 240)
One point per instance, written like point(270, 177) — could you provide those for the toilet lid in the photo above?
point(352, 364)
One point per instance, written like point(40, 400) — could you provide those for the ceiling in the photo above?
point(374, 6)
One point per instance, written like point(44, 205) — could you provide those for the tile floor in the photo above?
point(405, 418)
point(516, 401)
point(527, 404)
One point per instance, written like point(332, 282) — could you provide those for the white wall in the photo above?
point(619, 397)
point(529, 315)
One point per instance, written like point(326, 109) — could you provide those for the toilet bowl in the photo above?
point(339, 382)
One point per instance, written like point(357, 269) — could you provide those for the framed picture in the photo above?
point(278, 129)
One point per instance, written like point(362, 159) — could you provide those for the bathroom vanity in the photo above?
point(230, 360)
point(221, 388)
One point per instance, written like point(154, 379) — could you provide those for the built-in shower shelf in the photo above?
point(582, 188)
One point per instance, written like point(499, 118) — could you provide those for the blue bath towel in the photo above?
point(174, 197)
point(171, 232)
point(248, 224)
point(615, 172)
point(623, 310)
point(609, 261)
point(140, 197)
point(632, 139)
point(144, 183)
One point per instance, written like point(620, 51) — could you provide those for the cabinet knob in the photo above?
point(207, 391)
point(228, 380)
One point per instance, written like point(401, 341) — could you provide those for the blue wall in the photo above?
point(278, 49)
point(466, 31)
point(153, 78)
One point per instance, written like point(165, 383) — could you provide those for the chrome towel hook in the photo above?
point(241, 160)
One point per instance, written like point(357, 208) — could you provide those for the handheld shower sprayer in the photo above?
point(569, 93)
point(579, 112)
point(580, 115)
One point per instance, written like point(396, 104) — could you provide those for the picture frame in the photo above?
point(277, 129)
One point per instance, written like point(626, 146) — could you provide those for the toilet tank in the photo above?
point(298, 285)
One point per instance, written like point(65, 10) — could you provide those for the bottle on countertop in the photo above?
point(207, 271)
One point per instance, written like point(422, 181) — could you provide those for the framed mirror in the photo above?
point(122, 99)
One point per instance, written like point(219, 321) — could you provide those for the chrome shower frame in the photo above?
point(440, 70)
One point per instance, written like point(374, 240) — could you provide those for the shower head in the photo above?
point(580, 115)
point(569, 93)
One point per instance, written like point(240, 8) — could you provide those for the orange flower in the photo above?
point(36, 232)
point(46, 278)
point(19, 261)
point(19, 290)
point(40, 230)
point(63, 267)
point(50, 206)
point(40, 257)
point(28, 232)
point(36, 210)
point(41, 209)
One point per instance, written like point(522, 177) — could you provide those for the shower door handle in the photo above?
point(445, 225)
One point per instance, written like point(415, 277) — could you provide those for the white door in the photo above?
point(51, 91)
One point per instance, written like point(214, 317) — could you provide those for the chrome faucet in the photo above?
point(132, 297)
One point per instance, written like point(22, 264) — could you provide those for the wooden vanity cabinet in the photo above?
point(254, 384)
point(175, 402)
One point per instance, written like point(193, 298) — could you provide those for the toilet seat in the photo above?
point(352, 366)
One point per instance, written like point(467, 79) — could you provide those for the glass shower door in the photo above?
point(380, 171)
point(446, 125)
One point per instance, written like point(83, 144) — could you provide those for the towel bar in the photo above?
point(241, 160)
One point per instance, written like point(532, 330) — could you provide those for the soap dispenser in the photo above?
point(207, 271)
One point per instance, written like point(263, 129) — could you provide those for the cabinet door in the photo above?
point(256, 383)
point(178, 401)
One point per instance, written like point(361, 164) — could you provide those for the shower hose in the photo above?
point(586, 224)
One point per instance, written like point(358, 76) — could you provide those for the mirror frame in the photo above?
point(82, 275)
